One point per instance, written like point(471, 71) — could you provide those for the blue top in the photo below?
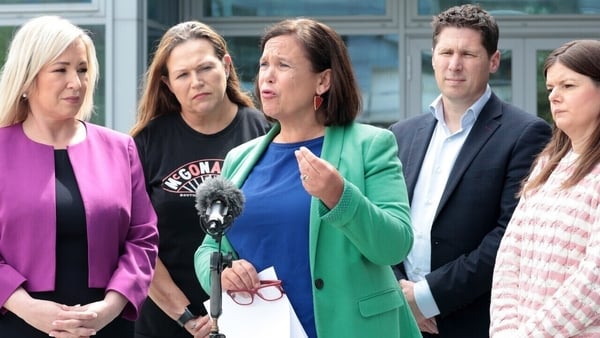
point(274, 226)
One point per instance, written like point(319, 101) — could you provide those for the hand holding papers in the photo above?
point(259, 318)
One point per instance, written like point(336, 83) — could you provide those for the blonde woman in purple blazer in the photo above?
point(78, 238)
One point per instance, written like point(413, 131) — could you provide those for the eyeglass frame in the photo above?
point(263, 284)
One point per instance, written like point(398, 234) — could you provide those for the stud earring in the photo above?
point(317, 101)
point(24, 96)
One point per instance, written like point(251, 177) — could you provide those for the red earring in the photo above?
point(317, 101)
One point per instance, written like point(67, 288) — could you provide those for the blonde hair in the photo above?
point(37, 43)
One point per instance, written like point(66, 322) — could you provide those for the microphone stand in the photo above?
point(218, 262)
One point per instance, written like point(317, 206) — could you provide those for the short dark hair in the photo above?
point(472, 17)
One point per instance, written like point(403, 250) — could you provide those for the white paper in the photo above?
point(261, 319)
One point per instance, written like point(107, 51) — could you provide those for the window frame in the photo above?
point(348, 24)
point(10, 11)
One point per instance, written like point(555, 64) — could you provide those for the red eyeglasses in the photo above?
point(269, 290)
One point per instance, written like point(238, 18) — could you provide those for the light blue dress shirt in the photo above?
point(443, 149)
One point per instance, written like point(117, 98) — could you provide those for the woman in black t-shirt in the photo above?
point(192, 112)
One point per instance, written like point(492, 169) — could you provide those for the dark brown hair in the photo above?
point(472, 17)
point(583, 57)
point(325, 49)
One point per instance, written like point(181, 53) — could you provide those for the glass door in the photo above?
point(537, 50)
point(519, 79)
point(422, 89)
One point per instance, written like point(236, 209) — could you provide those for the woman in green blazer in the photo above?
point(326, 203)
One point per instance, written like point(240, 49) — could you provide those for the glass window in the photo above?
point(516, 7)
point(164, 12)
point(33, 2)
point(98, 35)
point(219, 8)
point(543, 105)
point(6, 33)
point(375, 61)
point(161, 16)
point(501, 81)
point(245, 53)
point(153, 39)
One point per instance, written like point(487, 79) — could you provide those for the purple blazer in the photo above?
point(121, 222)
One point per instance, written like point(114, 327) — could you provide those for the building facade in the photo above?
point(389, 43)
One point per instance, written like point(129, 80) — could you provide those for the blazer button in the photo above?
point(319, 283)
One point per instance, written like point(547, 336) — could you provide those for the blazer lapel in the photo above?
point(238, 177)
point(483, 129)
point(331, 152)
point(416, 152)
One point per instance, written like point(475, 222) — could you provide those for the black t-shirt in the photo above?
point(176, 159)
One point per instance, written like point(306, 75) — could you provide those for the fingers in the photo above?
point(67, 330)
point(429, 326)
point(74, 326)
point(319, 178)
point(308, 163)
point(76, 313)
point(406, 286)
point(202, 327)
point(74, 321)
point(241, 275)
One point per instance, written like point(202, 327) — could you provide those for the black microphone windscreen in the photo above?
point(218, 188)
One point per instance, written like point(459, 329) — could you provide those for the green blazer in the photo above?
point(352, 246)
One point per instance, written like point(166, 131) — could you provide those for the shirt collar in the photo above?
point(436, 108)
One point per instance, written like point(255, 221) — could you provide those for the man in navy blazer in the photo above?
point(463, 163)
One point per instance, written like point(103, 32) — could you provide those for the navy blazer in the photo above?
point(474, 209)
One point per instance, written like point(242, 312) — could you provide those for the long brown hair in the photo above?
point(583, 57)
point(156, 98)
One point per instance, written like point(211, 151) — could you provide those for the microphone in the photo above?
point(218, 202)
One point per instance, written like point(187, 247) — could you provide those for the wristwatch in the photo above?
point(185, 317)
